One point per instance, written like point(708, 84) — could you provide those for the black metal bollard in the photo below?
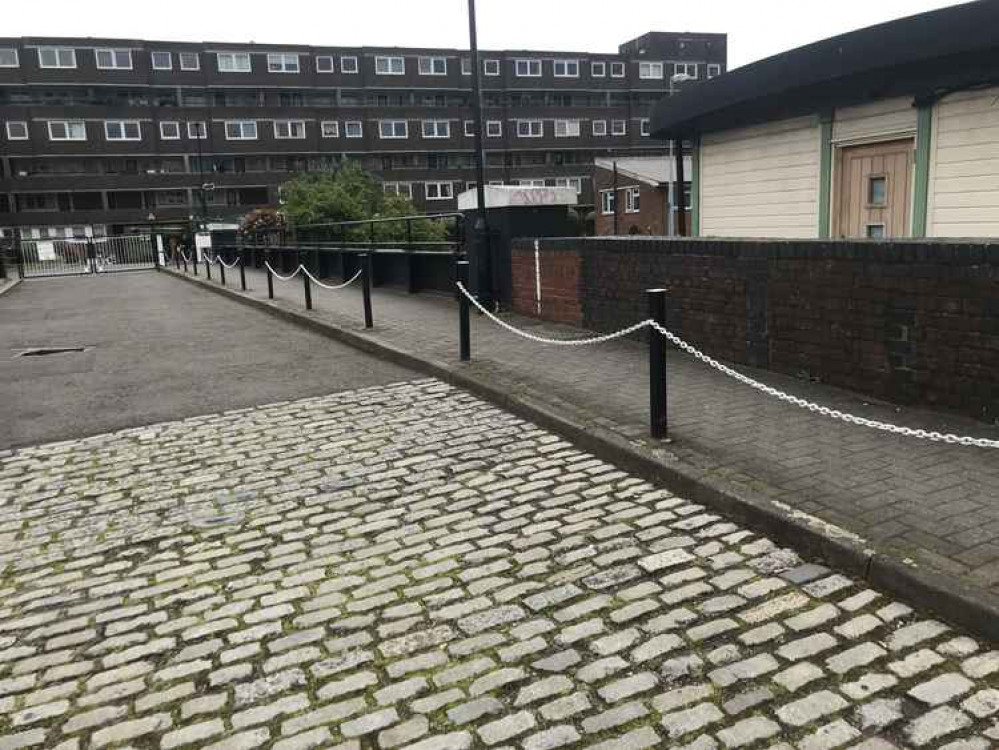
point(208, 267)
point(366, 288)
point(242, 272)
point(176, 260)
point(270, 276)
point(221, 269)
point(308, 289)
point(658, 387)
point(464, 335)
point(194, 260)
point(182, 257)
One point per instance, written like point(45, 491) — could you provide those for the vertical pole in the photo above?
point(182, 258)
point(657, 366)
point(371, 234)
point(157, 241)
point(92, 256)
point(242, 272)
point(616, 232)
point(366, 288)
point(222, 269)
point(19, 253)
point(194, 257)
point(176, 261)
point(270, 277)
point(464, 335)
point(308, 289)
point(681, 203)
point(208, 266)
point(484, 281)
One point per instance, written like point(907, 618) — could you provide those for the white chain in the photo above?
point(184, 256)
point(555, 342)
point(279, 276)
point(818, 408)
point(328, 286)
point(227, 265)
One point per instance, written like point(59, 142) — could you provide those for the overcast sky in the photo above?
point(755, 28)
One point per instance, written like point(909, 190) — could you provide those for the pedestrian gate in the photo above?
point(90, 256)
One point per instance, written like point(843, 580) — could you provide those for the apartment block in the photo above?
point(101, 135)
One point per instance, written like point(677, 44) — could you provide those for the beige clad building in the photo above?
point(890, 131)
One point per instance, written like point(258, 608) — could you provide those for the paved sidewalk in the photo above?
point(408, 567)
point(932, 503)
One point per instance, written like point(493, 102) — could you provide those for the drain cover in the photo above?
point(53, 350)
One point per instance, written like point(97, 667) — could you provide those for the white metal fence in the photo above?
point(78, 257)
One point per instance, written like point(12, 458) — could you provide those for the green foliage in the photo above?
point(262, 220)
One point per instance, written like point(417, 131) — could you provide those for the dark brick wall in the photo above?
point(561, 290)
point(912, 322)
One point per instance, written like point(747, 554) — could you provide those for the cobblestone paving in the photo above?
point(406, 566)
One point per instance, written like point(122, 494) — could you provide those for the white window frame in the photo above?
point(348, 126)
point(469, 128)
point(393, 136)
point(59, 52)
point(169, 59)
point(714, 70)
point(114, 52)
point(573, 182)
point(329, 129)
point(651, 71)
point(619, 127)
point(283, 62)
point(176, 129)
point(567, 126)
point(498, 127)
point(530, 64)
point(66, 124)
point(197, 133)
point(619, 68)
point(123, 126)
point(388, 60)
point(292, 126)
point(566, 64)
point(530, 130)
point(242, 124)
point(185, 65)
point(233, 57)
point(439, 194)
point(607, 201)
point(630, 194)
point(17, 58)
point(404, 189)
point(491, 67)
point(432, 128)
point(426, 65)
point(331, 61)
point(466, 66)
point(11, 136)
point(598, 65)
point(350, 67)
point(684, 69)
point(599, 128)
point(645, 127)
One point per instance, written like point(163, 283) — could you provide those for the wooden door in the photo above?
point(873, 190)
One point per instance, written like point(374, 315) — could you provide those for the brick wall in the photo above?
point(651, 217)
point(561, 295)
point(912, 322)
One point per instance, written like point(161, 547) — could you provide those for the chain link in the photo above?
point(221, 262)
point(333, 287)
point(279, 276)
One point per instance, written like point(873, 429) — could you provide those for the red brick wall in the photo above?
point(561, 279)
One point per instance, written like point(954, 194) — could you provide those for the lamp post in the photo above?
point(679, 192)
point(480, 229)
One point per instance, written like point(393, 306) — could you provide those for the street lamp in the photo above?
point(679, 196)
point(483, 259)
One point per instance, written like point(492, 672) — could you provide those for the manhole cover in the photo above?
point(52, 350)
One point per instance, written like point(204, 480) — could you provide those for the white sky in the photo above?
point(755, 28)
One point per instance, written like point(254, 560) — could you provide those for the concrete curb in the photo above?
point(8, 284)
point(973, 608)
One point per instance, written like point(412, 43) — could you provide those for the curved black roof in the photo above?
point(920, 55)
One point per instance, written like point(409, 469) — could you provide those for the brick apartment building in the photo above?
point(101, 135)
point(637, 195)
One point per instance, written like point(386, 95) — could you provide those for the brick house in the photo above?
point(634, 195)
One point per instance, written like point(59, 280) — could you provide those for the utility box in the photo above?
point(511, 211)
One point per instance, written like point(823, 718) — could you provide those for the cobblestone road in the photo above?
point(406, 566)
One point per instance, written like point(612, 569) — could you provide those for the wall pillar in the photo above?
point(695, 187)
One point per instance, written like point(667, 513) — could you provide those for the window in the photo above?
point(877, 190)
point(617, 70)
point(632, 200)
point(114, 59)
point(567, 128)
point(393, 129)
point(685, 69)
point(170, 131)
point(67, 130)
point(405, 189)
point(330, 129)
point(122, 130)
point(714, 70)
point(289, 129)
point(466, 66)
point(619, 127)
point(162, 60)
point(600, 127)
point(876, 231)
point(598, 69)
point(566, 68)
point(197, 131)
point(353, 129)
point(573, 182)
point(469, 129)
point(390, 66)
point(56, 57)
point(324, 64)
point(439, 191)
point(241, 130)
point(8, 58)
point(608, 202)
point(530, 128)
point(282, 62)
point(189, 61)
point(432, 66)
point(17, 131)
point(233, 62)
point(527, 68)
point(650, 70)
point(436, 129)
point(645, 127)
point(348, 65)
point(491, 67)
point(494, 129)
